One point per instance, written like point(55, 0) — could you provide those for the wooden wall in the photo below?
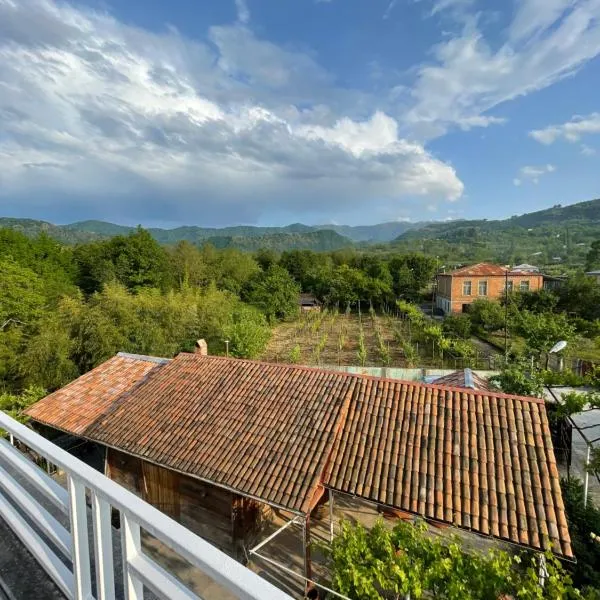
point(227, 520)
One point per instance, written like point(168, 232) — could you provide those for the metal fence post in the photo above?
point(103, 551)
point(131, 546)
point(79, 533)
point(587, 477)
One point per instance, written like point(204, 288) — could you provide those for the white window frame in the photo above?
point(522, 283)
point(479, 283)
point(464, 285)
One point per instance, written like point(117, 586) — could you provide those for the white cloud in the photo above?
point(389, 9)
point(533, 174)
point(470, 74)
point(587, 150)
point(121, 121)
point(571, 131)
point(243, 12)
point(442, 5)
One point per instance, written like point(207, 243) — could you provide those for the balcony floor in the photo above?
point(21, 577)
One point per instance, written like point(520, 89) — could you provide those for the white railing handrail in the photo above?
point(222, 568)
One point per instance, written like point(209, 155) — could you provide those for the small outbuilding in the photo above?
point(309, 303)
point(220, 443)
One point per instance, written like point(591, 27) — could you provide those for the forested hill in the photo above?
point(237, 235)
point(292, 237)
point(583, 214)
point(559, 236)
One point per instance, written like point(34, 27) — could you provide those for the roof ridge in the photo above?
point(145, 357)
point(365, 376)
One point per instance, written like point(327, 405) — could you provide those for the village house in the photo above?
point(458, 289)
point(219, 443)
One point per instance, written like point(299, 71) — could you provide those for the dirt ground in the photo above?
point(338, 336)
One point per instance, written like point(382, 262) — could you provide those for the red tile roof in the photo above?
point(480, 460)
point(489, 270)
point(263, 429)
point(76, 406)
point(465, 378)
point(479, 270)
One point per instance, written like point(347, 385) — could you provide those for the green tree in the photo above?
point(347, 286)
point(139, 260)
point(22, 295)
point(582, 520)
point(248, 332)
point(189, 266)
point(580, 296)
point(487, 314)
point(592, 259)
point(275, 293)
point(457, 326)
point(541, 331)
point(517, 377)
point(15, 404)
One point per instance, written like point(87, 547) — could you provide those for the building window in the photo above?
point(524, 286)
point(466, 288)
point(483, 288)
point(508, 286)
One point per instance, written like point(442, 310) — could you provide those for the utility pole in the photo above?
point(506, 318)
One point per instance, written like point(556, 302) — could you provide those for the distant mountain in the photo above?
point(296, 236)
point(583, 215)
point(98, 228)
point(238, 236)
point(557, 236)
point(32, 227)
point(319, 241)
point(384, 232)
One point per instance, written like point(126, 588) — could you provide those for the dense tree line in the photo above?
point(64, 309)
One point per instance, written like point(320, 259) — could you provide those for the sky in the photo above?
point(223, 112)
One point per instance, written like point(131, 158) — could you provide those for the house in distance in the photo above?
point(458, 289)
point(308, 303)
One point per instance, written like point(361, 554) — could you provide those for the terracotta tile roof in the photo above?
point(480, 461)
point(76, 406)
point(263, 429)
point(464, 378)
point(479, 270)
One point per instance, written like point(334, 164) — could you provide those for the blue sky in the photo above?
point(277, 111)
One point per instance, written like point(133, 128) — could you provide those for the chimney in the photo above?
point(201, 348)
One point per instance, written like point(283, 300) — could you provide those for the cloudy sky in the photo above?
point(220, 112)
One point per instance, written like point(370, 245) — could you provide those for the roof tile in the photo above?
point(476, 458)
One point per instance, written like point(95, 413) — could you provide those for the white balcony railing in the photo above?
point(139, 569)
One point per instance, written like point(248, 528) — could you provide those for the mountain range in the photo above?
point(583, 219)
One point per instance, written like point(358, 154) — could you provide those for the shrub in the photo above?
point(457, 326)
point(377, 563)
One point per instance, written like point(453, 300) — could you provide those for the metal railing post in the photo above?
point(82, 581)
point(103, 551)
point(131, 547)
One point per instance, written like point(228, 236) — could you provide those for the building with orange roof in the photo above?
point(217, 443)
point(457, 290)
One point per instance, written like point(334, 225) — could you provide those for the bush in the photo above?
point(457, 326)
point(487, 315)
point(377, 563)
point(518, 378)
point(582, 521)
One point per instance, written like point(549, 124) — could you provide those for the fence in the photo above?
point(67, 558)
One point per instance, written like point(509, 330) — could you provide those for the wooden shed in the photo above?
point(309, 303)
point(217, 442)
point(228, 520)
